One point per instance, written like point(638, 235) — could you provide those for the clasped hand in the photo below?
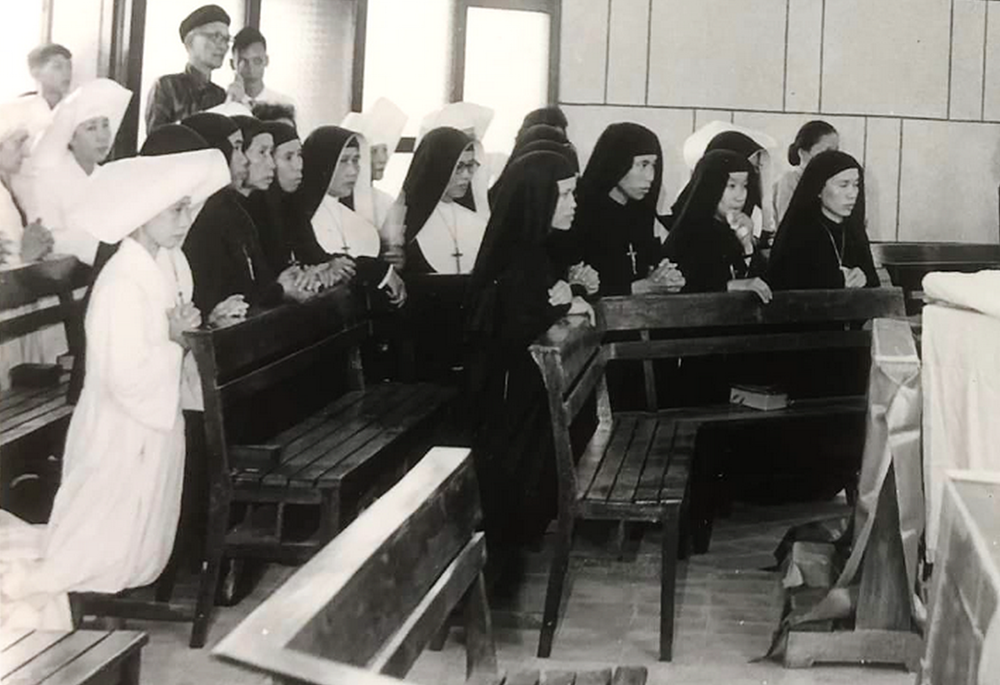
point(854, 277)
point(585, 275)
point(231, 310)
point(668, 275)
point(183, 317)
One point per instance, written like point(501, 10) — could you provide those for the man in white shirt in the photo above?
point(249, 61)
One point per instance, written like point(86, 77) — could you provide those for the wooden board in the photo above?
point(72, 657)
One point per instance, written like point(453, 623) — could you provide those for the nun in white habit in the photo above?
point(115, 515)
point(444, 204)
point(382, 126)
point(80, 137)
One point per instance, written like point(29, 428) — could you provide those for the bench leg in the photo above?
point(668, 580)
point(215, 540)
point(441, 636)
point(553, 594)
point(480, 649)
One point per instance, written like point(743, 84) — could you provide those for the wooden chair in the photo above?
point(34, 420)
point(285, 444)
point(638, 465)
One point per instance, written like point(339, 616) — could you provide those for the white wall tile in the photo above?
point(805, 18)
point(992, 76)
point(967, 59)
point(584, 49)
point(717, 53)
point(882, 177)
point(948, 186)
point(629, 26)
point(707, 116)
point(886, 57)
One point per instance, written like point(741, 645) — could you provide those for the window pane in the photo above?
point(506, 68)
point(20, 31)
point(163, 50)
point(310, 47)
point(406, 55)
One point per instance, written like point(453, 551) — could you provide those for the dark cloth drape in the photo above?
point(617, 240)
point(508, 307)
point(810, 248)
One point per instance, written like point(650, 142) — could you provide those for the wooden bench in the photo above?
point(638, 465)
point(361, 611)
point(908, 263)
point(34, 420)
point(291, 456)
point(79, 657)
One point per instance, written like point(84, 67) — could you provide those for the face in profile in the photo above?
point(238, 164)
point(636, 183)
point(288, 165)
point(461, 176)
point(13, 150)
point(380, 158)
point(562, 217)
point(345, 175)
point(169, 228)
point(91, 141)
point(840, 194)
point(261, 162)
point(734, 195)
point(55, 75)
point(208, 44)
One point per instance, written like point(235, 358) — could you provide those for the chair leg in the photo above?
point(668, 580)
point(215, 540)
point(553, 594)
point(440, 637)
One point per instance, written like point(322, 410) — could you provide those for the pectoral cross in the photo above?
point(253, 276)
point(631, 255)
point(457, 254)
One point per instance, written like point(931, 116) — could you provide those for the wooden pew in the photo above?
point(429, 333)
point(361, 611)
point(637, 466)
point(78, 657)
point(34, 420)
point(908, 263)
point(291, 456)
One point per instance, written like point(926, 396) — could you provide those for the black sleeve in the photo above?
point(861, 256)
point(160, 109)
point(524, 311)
point(806, 262)
point(371, 270)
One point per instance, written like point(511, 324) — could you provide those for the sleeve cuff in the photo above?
point(385, 279)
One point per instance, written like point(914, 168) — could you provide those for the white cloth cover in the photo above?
point(338, 230)
point(979, 291)
point(115, 514)
point(59, 188)
point(129, 192)
point(961, 382)
point(448, 224)
point(695, 144)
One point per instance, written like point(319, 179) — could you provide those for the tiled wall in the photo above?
point(912, 85)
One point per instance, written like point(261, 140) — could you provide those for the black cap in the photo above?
point(247, 37)
point(201, 16)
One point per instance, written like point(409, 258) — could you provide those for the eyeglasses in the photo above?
point(217, 37)
point(467, 166)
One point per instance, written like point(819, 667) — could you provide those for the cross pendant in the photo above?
point(458, 260)
point(632, 254)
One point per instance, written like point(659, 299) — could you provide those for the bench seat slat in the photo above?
point(23, 651)
point(56, 657)
point(638, 453)
point(61, 413)
point(593, 455)
point(101, 660)
point(604, 479)
point(41, 409)
point(15, 400)
point(330, 428)
point(651, 481)
point(9, 637)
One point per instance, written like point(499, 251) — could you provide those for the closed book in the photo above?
point(765, 398)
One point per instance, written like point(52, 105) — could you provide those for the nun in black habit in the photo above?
point(712, 238)
point(615, 222)
point(535, 138)
point(515, 294)
point(822, 241)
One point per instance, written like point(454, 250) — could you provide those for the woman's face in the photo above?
point(637, 182)
point(91, 141)
point(734, 195)
point(238, 164)
point(840, 194)
point(288, 165)
point(169, 228)
point(461, 177)
point(831, 141)
point(380, 158)
point(562, 217)
point(261, 160)
point(13, 150)
point(345, 175)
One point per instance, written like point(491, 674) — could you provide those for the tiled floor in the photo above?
point(727, 609)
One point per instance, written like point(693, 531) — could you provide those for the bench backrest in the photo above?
point(29, 283)
point(370, 600)
point(264, 372)
point(572, 354)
